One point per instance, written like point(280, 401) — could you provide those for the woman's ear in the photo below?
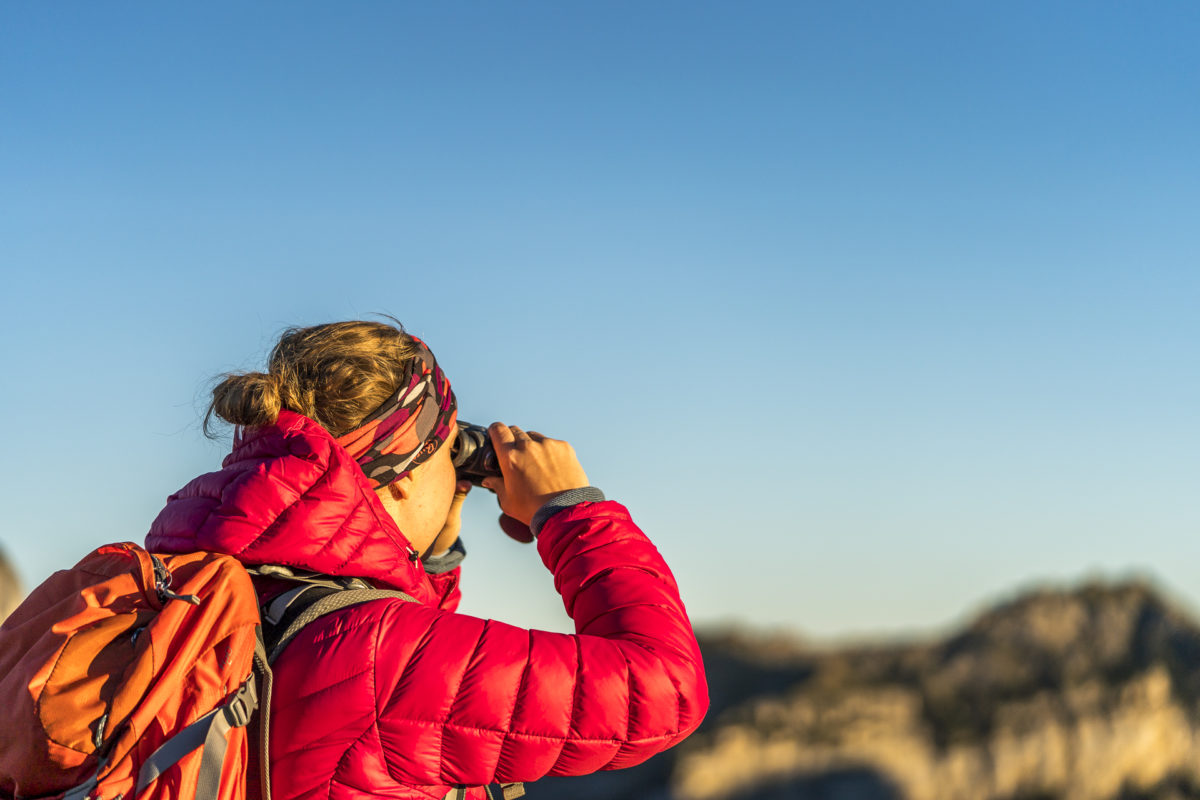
point(401, 489)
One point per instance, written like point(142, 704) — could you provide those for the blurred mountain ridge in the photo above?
point(11, 592)
point(1083, 693)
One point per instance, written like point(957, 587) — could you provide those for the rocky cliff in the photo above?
point(1087, 694)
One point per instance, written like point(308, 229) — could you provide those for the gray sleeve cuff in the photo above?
point(436, 565)
point(562, 500)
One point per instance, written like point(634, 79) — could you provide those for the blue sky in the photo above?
point(870, 312)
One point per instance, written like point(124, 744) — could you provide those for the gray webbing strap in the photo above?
point(263, 668)
point(208, 731)
point(81, 791)
point(279, 606)
point(329, 604)
point(280, 572)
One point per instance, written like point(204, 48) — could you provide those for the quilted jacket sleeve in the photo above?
point(472, 701)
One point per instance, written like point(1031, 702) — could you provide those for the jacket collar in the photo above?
point(289, 494)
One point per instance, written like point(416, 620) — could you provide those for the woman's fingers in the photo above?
point(454, 515)
point(453, 524)
point(534, 468)
point(501, 434)
point(461, 490)
point(494, 484)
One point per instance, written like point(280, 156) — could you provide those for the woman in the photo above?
point(341, 465)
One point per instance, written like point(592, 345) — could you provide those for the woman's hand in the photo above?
point(449, 533)
point(535, 469)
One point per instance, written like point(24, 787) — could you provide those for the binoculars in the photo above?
point(475, 459)
point(473, 455)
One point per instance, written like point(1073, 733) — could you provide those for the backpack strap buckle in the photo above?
point(241, 706)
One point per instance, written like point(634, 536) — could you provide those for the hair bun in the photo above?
point(335, 374)
point(248, 399)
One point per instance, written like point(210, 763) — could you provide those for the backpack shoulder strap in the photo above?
point(289, 613)
point(309, 604)
point(283, 618)
point(314, 596)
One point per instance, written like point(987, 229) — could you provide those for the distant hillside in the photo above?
point(1087, 694)
point(11, 592)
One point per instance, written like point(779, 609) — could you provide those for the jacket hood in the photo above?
point(289, 494)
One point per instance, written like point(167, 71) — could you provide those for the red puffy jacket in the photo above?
point(405, 700)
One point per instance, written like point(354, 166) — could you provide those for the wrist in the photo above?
point(562, 501)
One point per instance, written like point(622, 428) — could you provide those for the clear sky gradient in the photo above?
point(871, 312)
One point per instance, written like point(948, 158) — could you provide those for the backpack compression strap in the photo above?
point(208, 732)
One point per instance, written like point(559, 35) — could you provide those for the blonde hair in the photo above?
point(335, 374)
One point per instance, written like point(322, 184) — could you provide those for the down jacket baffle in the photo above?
point(406, 700)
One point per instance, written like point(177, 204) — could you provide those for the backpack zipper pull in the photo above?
point(162, 584)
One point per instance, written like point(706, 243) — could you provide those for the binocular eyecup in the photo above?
point(473, 455)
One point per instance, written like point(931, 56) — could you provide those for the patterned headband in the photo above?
point(408, 428)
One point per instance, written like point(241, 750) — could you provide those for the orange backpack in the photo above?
point(133, 676)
